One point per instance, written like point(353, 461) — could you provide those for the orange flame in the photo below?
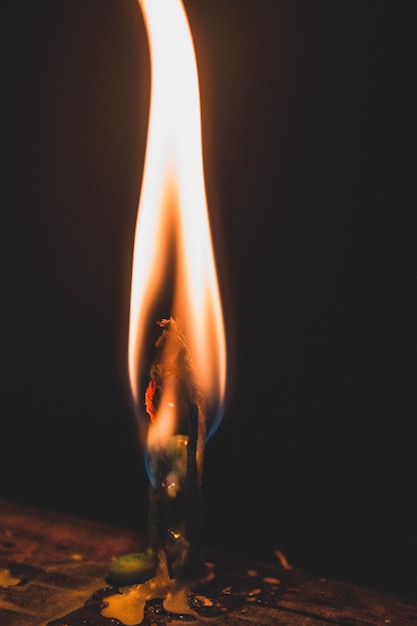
point(173, 254)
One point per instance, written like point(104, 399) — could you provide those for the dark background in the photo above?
point(307, 158)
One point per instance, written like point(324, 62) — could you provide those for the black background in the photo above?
point(307, 158)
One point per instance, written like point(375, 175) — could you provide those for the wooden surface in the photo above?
point(53, 568)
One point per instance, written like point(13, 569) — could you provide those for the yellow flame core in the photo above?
point(172, 213)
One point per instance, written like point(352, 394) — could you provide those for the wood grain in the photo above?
point(60, 564)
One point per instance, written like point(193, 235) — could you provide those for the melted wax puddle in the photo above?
point(128, 606)
point(135, 605)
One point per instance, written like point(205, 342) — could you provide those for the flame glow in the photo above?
point(173, 253)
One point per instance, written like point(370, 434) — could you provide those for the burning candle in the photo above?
point(178, 384)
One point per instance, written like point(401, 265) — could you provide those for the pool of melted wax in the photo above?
point(232, 589)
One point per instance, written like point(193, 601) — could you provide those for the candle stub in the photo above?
point(175, 455)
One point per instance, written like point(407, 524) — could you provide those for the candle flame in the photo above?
point(173, 260)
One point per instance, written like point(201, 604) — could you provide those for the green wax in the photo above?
point(131, 569)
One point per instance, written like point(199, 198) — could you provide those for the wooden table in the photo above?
point(53, 569)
